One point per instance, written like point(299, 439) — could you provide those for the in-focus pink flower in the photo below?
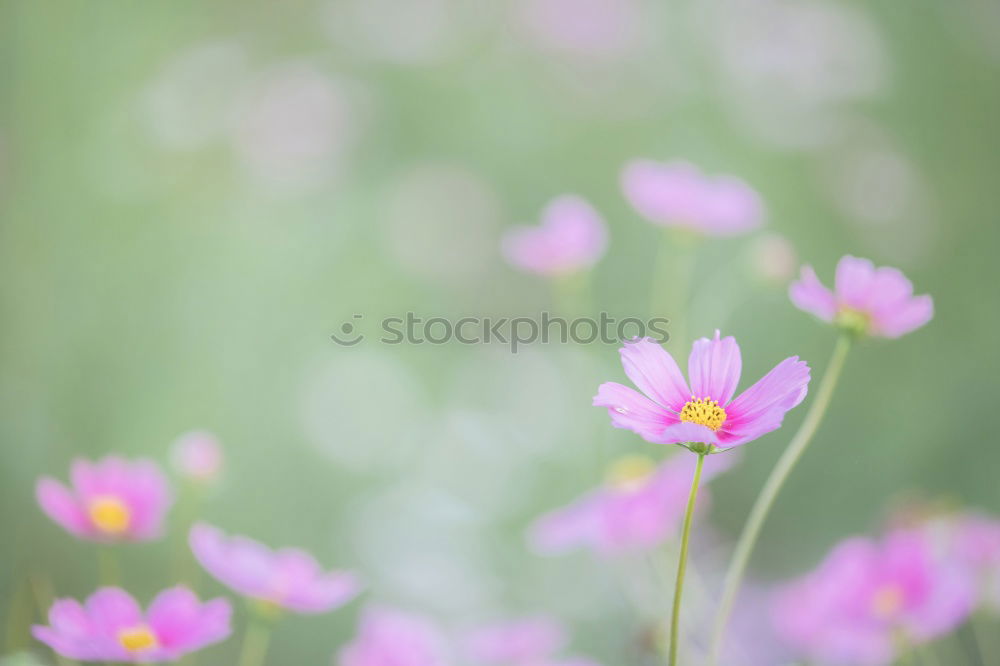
point(678, 194)
point(705, 413)
point(110, 500)
point(866, 300)
point(197, 456)
point(868, 596)
point(528, 641)
point(641, 506)
point(112, 627)
point(572, 237)
point(288, 578)
point(388, 637)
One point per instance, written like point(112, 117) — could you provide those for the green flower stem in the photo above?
point(255, 642)
point(762, 507)
point(675, 617)
point(107, 563)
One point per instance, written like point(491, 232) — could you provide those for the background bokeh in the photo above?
point(195, 196)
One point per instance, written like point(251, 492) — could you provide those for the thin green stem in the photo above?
point(107, 563)
point(675, 617)
point(768, 494)
point(255, 642)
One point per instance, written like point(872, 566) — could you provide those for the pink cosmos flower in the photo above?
point(528, 641)
point(288, 578)
point(517, 641)
point(112, 627)
point(572, 237)
point(678, 194)
point(866, 596)
point(111, 500)
point(867, 300)
point(640, 507)
point(388, 637)
point(705, 413)
point(197, 456)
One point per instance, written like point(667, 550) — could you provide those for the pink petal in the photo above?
point(906, 317)
point(62, 506)
point(853, 281)
point(810, 295)
point(685, 432)
point(732, 207)
point(631, 410)
point(174, 616)
point(714, 368)
point(112, 609)
point(762, 407)
point(654, 371)
point(664, 193)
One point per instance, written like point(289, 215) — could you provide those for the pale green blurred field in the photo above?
point(152, 285)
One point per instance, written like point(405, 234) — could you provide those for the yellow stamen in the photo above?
point(137, 639)
point(109, 514)
point(704, 411)
point(630, 472)
point(887, 601)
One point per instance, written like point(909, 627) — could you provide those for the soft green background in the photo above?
point(148, 290)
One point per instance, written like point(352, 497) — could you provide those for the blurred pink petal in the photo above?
point(678, 194)
point(572, 237)
point(388, 637)
point(289, 578)
point(197, 456)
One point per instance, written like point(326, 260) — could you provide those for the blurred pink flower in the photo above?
point(388, 637)
point(866, 597)
point(197, 456)
point(589, 28)
point(112, 626)
point(288, 578)
point(517, 641)
point(867, 300)
point(678, 194)
point(640, 507)
point(111, 500)
point(706, 413)
point(572, 237)
point(528, 641)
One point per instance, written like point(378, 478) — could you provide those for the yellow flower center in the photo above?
point(109, 514)
point(887, 601)
point(137, 639)
point(853, 321)
point(704, 411)
point(630, 472)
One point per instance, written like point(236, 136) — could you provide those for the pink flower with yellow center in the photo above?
point(868, 597)
point(287, 578)
point(571, 238)
point(678, 194)
point(866, 300)
point(110, 500)
point(669, 411)
point(641, 505)
point(112, 627)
